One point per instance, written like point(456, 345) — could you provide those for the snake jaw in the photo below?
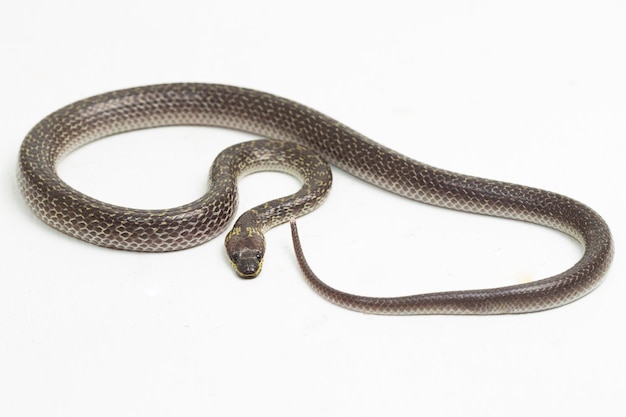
point(247, 263)
point(245, 251)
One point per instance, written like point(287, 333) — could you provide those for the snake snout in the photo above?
point(248, 266)
point(247, 262)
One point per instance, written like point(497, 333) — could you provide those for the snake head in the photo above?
point(245, 249)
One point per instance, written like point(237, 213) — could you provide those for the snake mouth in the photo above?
point(248, 268)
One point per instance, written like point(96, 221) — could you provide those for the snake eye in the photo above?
point(259, 255)
point(235, 256)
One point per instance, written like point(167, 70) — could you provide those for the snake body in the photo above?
point(283, 120)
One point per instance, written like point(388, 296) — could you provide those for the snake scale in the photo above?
point(311, 139)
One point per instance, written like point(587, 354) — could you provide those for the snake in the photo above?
point(300, 141)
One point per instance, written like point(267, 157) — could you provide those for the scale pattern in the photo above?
point(273, 117)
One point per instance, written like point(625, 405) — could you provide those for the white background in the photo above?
point(532, 92)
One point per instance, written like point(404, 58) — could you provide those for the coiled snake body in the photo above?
point(282, 120)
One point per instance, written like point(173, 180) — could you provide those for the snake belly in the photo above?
point(274, 117)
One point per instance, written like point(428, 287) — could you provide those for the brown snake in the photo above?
point(273, 117)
